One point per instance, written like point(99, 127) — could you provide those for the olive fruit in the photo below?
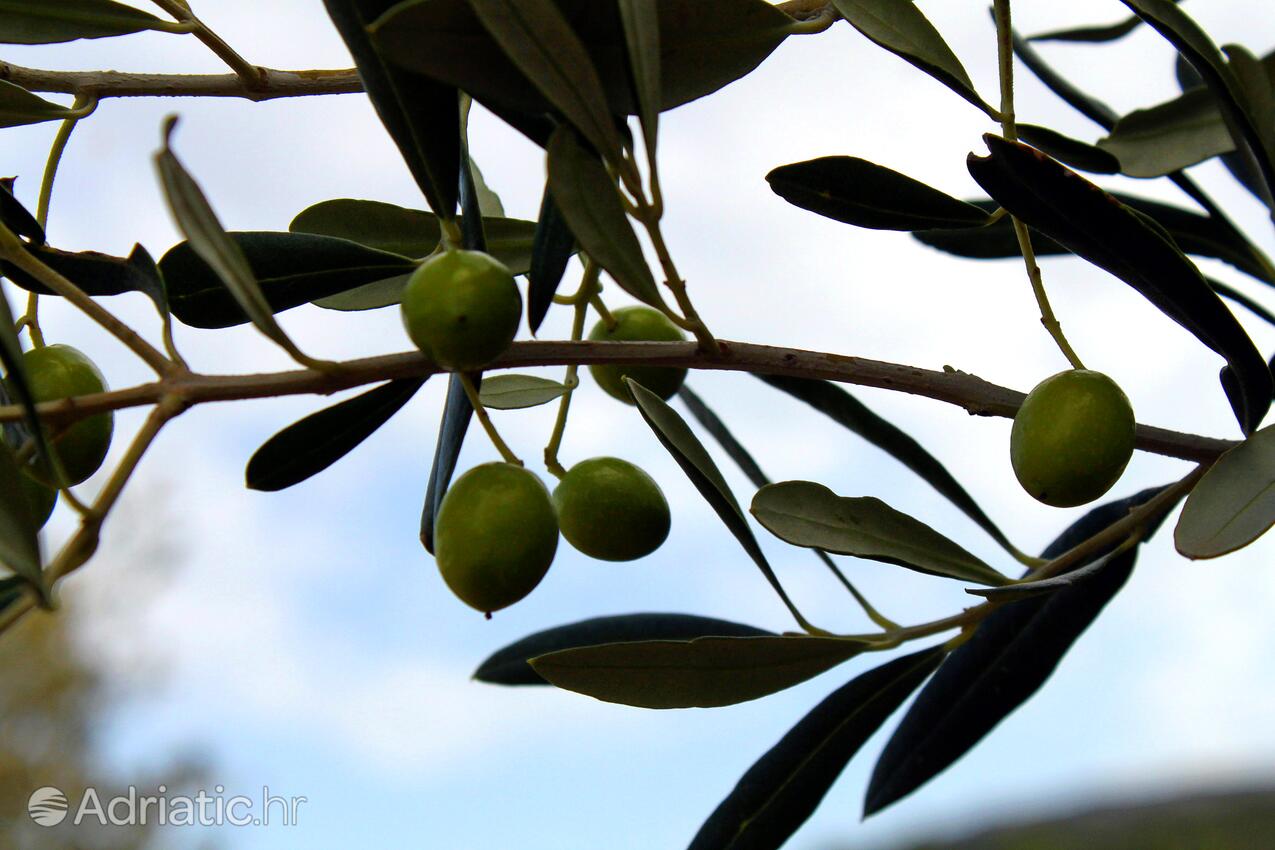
point(60, 371)
point(41, 499)
point(638, 324)
point(611, 510)
point(461, 308)
point(495, 536)
point(1072, 438)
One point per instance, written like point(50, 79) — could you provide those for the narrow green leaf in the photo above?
point(19, 533)
point(457, 412)
point(808, 514)
point(1195, 234)
point(472, 236)
point(862, 193)
point(508, 666)
point(1008, 658)
point(1049, 585)
point(1095, 225)
point(209, 241)
point(17, 386)
point(785, 786)
point(641, 21)
point(95, 273)
point(1236, 101)
point(421, 115)
point(1073, 152)
point(290, 269)
point(370, 296)
point(1087, 105)
point(901, 28)
point(1234, 503)
point(590, 204)
point(15, 216)
point(1111, 32)
point(515, 392)
point(1169, 136)
point(699, 673)
point(551, 250)
point(18, 106)
point(53, 21)
point(540, 41)
point(311, 445)
point(674, 434)
point(843, 408)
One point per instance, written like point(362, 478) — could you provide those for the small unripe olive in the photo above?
point(612, 510)
point(638, 324)
point(495, 536)
point(461, 308)
point(1072, 438)
point(60, 371)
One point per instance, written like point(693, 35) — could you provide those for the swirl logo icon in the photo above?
point(47, 806)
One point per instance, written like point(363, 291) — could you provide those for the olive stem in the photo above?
point(588, 291)
point(608, 319)
point(251, 75)
point(1009, 129)
point(481, 413)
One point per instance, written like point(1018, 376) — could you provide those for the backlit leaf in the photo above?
point(515, 392)
point(53, 21)
point(1234, 503)
point(18, 106)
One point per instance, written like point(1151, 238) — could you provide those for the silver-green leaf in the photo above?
point(1234, 503)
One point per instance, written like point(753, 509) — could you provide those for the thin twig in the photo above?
point(104, 84)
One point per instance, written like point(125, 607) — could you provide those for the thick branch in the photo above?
point(104, 84)
point(972, 393)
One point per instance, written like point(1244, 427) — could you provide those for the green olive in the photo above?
point(60, 371)
point(612, 510)
point(638, 324)
point(41, 499)
point(496, 535)
point(1072, 438)
point(461, 308)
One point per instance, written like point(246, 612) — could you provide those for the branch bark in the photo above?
point(975, 395)
point(274, 83)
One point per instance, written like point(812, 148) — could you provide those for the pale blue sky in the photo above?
point(308, 641)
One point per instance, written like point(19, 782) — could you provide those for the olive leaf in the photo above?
point(19, 533)
point(641, 21)
point(509, 666)
point(18, 107)
point(1169, 136)
point(1090, 107)
point(311, 445)
point(551, 250)
point(808, 514)
point(859, 192)
point(515, 392)
point(703, 672)
point(16, 385)
point(46, 22)
point(15, 216)
point(785, 786)
point(457, 412)
point(1073, 152)
point(1234, 503)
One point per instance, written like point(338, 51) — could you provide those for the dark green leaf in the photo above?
point(551, 249)
point(95, 273)
point(903, 29)
point(1096, 226)
point(509, 666)
point(590, 204)
point(539, 40)
point(421, 115)
point(1111, 32)
point(1073, 152)
point(785, 786)
point(18, 106)
point(641, 21)
point(457, 411)
point(1234, 503)
point(472, 235)
point(838, 404)
point(17, 386)
point(714, 425)
point(311, 445)
point(699, 53)
point(1008, 658)
point(515, 392)
point(1170, 136)
point(674, 434)
point(1239, 103)
point(1232, 294)
point(1092, 108)
point(19, 533)
point(699, 673)
point(410, 233)
point(1194, 234)
point(291, 269)
point(1049, 585)
point(53, 21)
point(16, 217)
point(804, 513)
point(863, 193)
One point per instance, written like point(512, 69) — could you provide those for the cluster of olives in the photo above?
point(54, 372)
point(497, 528)
point(1072, 438)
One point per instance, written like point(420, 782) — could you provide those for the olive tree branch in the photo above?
point(104, 84)
point(247, 72)
point(975, 395)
